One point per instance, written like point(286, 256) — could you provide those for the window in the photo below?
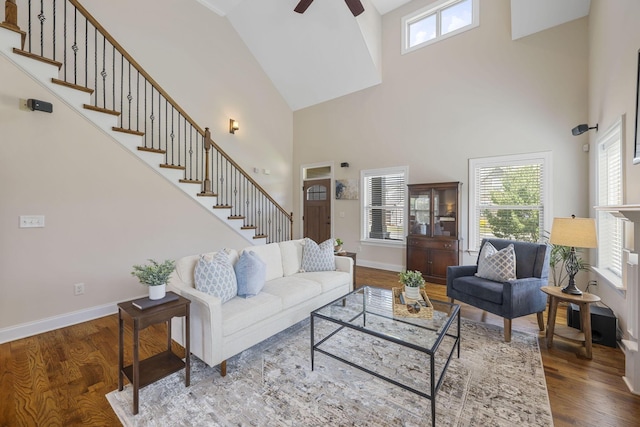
point(383, 205)
point(609, 188)
point(438, 21)
point(509, 197)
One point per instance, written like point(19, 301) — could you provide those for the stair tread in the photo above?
point(248, 227)
point(190, 181)
point(37, 57)
point(101, 110)
point(204, 194)
point(222, 206)
point(260, 236)
point(168, 166)
point(130, 131)
point(152, 150)
point(72, 86)
point(236, 217)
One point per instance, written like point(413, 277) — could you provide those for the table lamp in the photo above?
point(573, 232)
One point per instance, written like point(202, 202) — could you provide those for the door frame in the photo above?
point(303, 167)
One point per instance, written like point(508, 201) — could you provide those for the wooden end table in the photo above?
point(142, 373)
point(556, 295)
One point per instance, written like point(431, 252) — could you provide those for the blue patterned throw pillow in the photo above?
point(251, 273)
point(215, 276)
point(318, 257)
point(497, 265)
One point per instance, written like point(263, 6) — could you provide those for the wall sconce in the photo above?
point(233, 126)
point(580, 129)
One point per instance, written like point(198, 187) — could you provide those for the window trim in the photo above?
point(435, 8)
point(615, 131)
point(523, 159)
point(364, 238)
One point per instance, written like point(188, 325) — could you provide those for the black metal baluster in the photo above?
point(95, 67)
point(54, 30)
point(129, 98)
point(138, 103)
point(86, 52)
point(29, 25)
point(113, 73)
point(64, 33)
point(75, 46)
point(152, 117)
point(41, 17)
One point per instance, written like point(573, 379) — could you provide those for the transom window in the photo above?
point(509, 197)
point(438, 21)
point(383, 205)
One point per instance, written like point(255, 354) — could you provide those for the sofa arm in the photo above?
point(344, 263)
point(205, 322)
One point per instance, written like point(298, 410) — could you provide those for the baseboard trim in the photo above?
point(380, 265)
point(28, 329)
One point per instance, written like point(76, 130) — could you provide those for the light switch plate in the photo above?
point(31, 221)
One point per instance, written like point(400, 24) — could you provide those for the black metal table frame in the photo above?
point(434, 386)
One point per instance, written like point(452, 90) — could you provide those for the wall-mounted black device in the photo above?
point(344, 165)
point(36, 105)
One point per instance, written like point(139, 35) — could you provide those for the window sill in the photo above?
point(384, 243)
point(610, 279)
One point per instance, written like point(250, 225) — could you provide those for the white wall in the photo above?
point(105, 210)
point(474, 95)
point(614, 40)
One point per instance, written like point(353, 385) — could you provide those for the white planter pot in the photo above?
point(412, 292)
point(157, 292)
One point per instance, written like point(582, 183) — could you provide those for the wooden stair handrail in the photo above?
point(155, 84)
point(133, 62)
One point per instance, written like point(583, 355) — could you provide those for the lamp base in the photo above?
point(571, 289)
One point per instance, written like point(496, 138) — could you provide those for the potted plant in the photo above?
point(155, 275)
point(412, 281)
point(338, 246)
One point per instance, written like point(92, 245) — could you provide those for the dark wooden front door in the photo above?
point(317, 209)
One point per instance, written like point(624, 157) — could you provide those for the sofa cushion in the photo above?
point(329, 280)
point(215, 276)
point(497, 265)
point(291, 251)
point(272, 256)
point(250, 274)
point(292, 290)
point(318, 257)
point(241, 313)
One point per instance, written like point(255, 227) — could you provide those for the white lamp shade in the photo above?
point(576, 232)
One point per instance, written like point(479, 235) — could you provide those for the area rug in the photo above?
point(493, 383)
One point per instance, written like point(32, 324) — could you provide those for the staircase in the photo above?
point(66, 50)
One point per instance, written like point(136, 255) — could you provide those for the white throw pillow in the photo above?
point(318, 257)
point(499, 266)
point(215, 276)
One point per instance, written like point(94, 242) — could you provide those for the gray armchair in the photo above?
point(509, 299)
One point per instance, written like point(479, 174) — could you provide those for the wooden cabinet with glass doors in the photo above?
point(433, 242)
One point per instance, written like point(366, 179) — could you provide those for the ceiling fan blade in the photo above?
point(302, 6)
point(355, 6)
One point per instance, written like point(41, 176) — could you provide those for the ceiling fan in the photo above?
point(354, 5)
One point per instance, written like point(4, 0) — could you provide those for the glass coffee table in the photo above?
point(358, 328)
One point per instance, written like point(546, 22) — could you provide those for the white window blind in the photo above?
point(384, 199)
point(509, 197)
point(610, 231)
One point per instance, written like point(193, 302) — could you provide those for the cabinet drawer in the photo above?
point(433, 244)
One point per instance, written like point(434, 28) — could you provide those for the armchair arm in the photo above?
point(344, 263)
point(523, 296)
point(456, 271)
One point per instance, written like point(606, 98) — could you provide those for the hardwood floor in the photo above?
point(60, 378)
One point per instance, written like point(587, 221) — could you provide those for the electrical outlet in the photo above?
point(78, 289)
point(31, 221)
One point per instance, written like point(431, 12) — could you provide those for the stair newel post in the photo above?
point(11, 14)
point(207, 147)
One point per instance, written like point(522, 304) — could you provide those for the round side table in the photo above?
point(583, 301)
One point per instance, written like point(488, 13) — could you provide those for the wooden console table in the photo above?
point(142, 373)
point(556, 295)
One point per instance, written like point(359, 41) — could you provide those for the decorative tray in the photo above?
point(406, 307)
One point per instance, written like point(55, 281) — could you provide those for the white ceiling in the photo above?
point(326, 53)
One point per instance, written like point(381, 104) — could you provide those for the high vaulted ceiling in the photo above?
point(326, 53)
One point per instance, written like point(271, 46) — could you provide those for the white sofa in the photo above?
point(220, 331)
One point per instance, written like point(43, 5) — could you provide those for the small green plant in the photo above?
point(339, 242)
point(154, 274)
point(412, 279)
